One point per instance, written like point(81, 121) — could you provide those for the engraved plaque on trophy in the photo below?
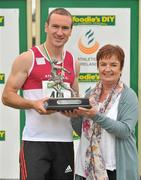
point(66, 103)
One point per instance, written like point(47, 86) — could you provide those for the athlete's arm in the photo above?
point(16, 79)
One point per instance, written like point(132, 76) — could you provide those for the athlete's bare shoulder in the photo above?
point(24, 61)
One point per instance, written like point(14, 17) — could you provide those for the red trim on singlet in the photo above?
point(23, 164)
point(42, 71)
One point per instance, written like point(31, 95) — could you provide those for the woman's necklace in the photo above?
point(112, 91)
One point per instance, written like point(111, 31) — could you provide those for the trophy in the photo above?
point(57, 100)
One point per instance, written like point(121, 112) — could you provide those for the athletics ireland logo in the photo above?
point(87, 43)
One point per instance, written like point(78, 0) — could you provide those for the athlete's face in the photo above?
point(58, 30)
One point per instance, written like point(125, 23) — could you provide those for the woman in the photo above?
point(107, 148)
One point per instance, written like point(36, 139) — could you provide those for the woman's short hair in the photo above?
point(108, 50)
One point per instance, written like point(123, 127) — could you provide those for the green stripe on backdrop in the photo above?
point(21, 5)
point(132, 4)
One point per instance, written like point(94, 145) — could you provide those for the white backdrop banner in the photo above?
point(9, 117)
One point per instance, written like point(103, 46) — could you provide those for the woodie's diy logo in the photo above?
point(2, 78)
point(88, 77)
point(1, 20)
point(2, 135)
point(104, 20)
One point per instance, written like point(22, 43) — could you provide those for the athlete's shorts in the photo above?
point(46, 161)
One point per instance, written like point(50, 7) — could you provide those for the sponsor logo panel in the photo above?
point(2, 78)
point(88, 77)
point(2, 135)
point(102, 20)
point(1, 20)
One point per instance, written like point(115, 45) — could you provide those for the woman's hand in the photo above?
point(86, 112)
point(70, 113)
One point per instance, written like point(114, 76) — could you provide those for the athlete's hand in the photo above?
point(39, 106)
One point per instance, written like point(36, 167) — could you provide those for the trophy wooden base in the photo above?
point(66, 103)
